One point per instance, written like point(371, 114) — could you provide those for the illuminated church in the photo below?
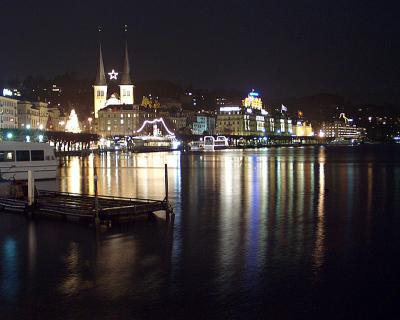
point(125, 84)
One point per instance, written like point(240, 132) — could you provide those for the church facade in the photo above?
point(102, 97)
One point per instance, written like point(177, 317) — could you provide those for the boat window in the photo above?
point(23, 155)
point(7, 156)
point(37, 155)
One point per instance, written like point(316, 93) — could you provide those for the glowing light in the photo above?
point(113, 74)
point(9, 135)
point(7, 92)
point(72, 124)
point(154, 122)
point(28, 126)
point(227, 109)
point(28, 139)
point(41, 127)
point(249, 110)
point(40, 137)
point(253, 94)
point(252, 101)
point(321, 134)
point(342, 115)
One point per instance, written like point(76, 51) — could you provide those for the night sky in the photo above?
point(283, 48)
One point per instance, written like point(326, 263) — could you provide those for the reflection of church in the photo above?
point(124, 96)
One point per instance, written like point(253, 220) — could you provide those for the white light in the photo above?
point(153, 122)
point(9, 135)
point(28, 139)
point(40, 138)
point(227, 109)
point(41, 127)
point(249, 110)
point(321, 134)
point(7, 92)
point(113, 74)
point(28, 126)
point(72, 124)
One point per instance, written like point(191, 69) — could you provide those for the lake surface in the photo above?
point(277, 233)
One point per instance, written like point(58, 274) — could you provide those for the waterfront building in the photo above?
point(237, 120)
point(28, 115)
point(203, 124)
point(248, 119)
point(302, 129)
point(119, 120)
point(42, 107)
point(100, 87)
point(339, 129)
point(253, 101)
point(8, 113)
point(178, 121)
point(56, 120)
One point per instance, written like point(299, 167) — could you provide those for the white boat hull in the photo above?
point(17, 158)
point(40, 172)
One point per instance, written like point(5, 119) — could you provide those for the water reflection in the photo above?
point(251, 227)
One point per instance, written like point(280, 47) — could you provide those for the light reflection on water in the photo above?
point(255, 230)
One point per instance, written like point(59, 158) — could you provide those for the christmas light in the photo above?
point(113, 74)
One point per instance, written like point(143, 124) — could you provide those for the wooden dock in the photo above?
point(85, 208)
point(82, 207)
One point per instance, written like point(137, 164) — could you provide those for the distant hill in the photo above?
point(316, 107)
point(157, 88)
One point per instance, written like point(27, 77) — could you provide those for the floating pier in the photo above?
point(93, 209)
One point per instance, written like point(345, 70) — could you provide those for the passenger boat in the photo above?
point(209, 144)
point(16, 158)
point(196, 145)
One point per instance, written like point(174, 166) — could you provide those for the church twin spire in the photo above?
point(125, 75)
point(126, 87)
point(100, 77)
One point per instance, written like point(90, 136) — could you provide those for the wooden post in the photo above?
point(96, 199)
point(31, 188)
point(166, 181)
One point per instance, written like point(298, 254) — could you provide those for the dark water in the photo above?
point(277, 233)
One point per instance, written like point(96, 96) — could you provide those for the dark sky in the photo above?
point(283, 48)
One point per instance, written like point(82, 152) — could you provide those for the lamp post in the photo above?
point(90, 119)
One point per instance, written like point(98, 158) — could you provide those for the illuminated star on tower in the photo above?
point(113, 74)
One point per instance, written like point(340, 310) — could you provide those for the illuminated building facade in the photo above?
point(203, 124)
point(253, 101)
point(118, 120)
point(339, 129)
point(8, 113)
point(101, 87)
point(28, 115)
point(302, 129)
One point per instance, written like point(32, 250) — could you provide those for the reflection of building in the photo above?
point(8, 113)
point(340, 129)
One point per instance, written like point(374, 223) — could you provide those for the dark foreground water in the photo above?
point(276, 233)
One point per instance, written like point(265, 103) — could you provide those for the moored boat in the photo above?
point(16, 158)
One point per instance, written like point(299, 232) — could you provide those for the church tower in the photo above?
point(100, 87)
point(126, 86)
